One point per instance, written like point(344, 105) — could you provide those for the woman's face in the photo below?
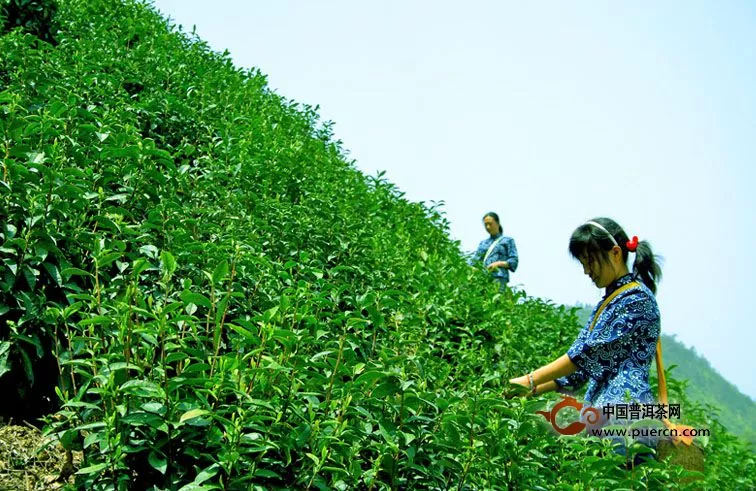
point(601, 272)
point(491, 226)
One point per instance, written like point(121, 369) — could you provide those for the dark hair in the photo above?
point(496, 219)
point(593, 242)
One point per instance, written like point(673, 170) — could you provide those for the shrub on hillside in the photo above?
point(37, 17)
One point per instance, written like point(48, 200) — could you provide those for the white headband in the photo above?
point(598, 225)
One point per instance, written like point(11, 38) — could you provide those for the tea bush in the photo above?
point(220, 300)
point(36, 17)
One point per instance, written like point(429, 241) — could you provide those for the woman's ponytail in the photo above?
point(646, 265)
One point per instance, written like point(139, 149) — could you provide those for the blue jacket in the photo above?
point(614, 359)
point(505, 250)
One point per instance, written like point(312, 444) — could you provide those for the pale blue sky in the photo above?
point(549, 114)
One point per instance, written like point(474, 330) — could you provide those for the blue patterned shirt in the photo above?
point(616, 356)
point(505, 250)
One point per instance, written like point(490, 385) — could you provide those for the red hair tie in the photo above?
point(632, 245)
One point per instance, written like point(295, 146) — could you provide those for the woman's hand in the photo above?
point(521, 381)
point(498, 264)
point(543, 377)
point(517, 387)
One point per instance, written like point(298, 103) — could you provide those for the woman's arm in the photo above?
point(512, 258)
point(547, 387)
point(545, 375)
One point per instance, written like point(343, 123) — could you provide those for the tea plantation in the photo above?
point(199, 291)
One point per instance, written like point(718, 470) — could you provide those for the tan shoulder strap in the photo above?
point(491, 248)
point(611, 297)
point(680, 438)
point(660, 374)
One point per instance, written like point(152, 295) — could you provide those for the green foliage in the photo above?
point(37, 17)
point(231, 305)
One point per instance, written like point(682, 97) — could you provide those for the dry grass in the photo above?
point(24, 465)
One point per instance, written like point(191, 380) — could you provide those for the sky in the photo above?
point(550, 114)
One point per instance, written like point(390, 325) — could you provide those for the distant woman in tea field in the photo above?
point(498, 253)
point(613, 352)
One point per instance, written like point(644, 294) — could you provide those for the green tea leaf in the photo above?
point(193, 413)
point(168, 263)
point(196, 299)
point(142, 388)
point(4, 351)
point(92, 469)
point(220, 273)
point(158, 462)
